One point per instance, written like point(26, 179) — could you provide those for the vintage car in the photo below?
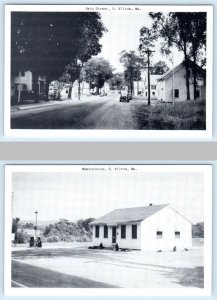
point(124, 96)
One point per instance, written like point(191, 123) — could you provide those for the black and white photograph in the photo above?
point(108, 71)
point(108, 230)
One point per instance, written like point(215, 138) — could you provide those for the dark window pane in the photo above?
point(177, 234)
point(134, 231)
point(106, 232)
point(176, 92)
point(97, 231)
point(123, 231)
point(159, 234)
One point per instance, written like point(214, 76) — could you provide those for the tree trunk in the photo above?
point(47, 90)
point(70, 92)
point(195, 78)
point(186, 70)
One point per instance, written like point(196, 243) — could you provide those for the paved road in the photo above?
point(98, 113)
point(27, 276)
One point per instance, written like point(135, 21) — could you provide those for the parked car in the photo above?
point(124, 96)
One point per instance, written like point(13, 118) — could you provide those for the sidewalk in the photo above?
point(31, 104)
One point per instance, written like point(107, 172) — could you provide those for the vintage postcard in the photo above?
point(108, 71)
point(108, 230)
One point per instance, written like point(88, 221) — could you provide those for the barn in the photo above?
point(154, 227)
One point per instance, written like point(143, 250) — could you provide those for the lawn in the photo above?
point(187, 115)
point(95, 268)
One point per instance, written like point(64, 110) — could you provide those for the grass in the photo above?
point(187, 115)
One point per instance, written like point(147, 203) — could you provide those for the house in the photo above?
point(141, 87)
point(155, 227)
point(172, 85)
point(25, 83)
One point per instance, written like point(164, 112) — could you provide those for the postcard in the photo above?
point(108, 71)
point(114, 230)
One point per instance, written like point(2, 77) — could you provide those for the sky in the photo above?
point(75, 195)
point(123, 34)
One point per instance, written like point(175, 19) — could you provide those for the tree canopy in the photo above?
point(159, 68)
point(97, 71)
point(46, 42)
point(133, 64)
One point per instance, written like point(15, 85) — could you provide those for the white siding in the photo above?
point(178, 81)
point(168, 221)
point(128, 242)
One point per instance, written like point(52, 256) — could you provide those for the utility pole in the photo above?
point(148, 52)
point(36, 224)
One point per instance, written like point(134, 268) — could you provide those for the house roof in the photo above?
point(177, 68)
point(128, 215)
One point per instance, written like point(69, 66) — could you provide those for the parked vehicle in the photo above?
point(124, 96)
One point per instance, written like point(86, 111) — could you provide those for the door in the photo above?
point(114, 234)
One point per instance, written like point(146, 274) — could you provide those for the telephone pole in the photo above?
point(36, 223)
point(148, 52)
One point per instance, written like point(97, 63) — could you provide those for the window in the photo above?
point(153, 87)
point(67, 91)
point(198, 93)
point(177, 234)
point(153, 93)
point(159, 234)
point(105, 232)
point(134, 231)
point(146, 94)
point(176, 93)
point(24, 87)
point(123, 231)
point(97, 231)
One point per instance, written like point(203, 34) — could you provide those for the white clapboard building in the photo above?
point(156, 227)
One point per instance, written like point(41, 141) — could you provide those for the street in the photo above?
point(95, 113)
point(26, 276)
point(82, 267)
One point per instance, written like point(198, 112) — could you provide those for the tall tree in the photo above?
point(45, 42)
point(146, 48)
point(133, 64)
point(97, 71)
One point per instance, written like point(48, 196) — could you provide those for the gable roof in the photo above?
point(177, 68)
point(128, 215)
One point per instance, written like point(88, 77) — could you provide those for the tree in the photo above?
point(146, 48)
point(133, 65)
point(182, 31)
point(46, 42)
point(97, 71)
point(15, 224)
point(159, 68)
point(117, 81)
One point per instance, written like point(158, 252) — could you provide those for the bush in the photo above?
point(52, 239)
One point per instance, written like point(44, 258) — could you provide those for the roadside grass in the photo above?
point(188, 115)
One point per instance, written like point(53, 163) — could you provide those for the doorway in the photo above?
point(114, 235)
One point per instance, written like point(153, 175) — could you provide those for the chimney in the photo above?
point(150, 204)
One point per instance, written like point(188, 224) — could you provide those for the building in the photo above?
point(155, 227)
point(25, 83)
point(171, 86)
point(141, 86)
